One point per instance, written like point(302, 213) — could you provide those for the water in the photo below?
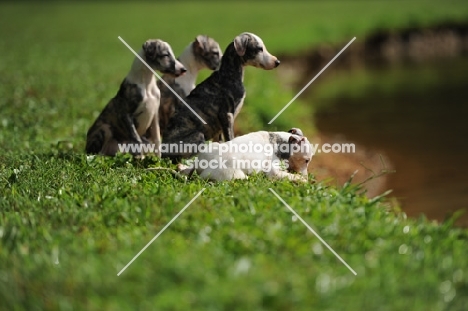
point(417, 115)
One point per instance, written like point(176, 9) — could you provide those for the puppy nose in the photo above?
point(277, 62)
point(183, 70)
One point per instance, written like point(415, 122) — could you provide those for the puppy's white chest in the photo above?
point(146, 111)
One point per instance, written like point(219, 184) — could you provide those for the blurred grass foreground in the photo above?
point(70, 223)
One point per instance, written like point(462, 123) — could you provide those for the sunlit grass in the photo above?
point(69, 223)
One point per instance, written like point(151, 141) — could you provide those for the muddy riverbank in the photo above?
point(400, 94)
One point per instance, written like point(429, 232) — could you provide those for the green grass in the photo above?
point(236, 247)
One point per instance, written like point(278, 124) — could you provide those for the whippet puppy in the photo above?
point(277, 154)
point(203, 52)
point(133, 112)
point(219, 98)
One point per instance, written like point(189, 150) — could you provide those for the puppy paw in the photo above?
point(185, 170)
point(181, 167)
point(301, 179)
point(139, 156)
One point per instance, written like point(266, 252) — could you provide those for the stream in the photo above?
point(417, 116)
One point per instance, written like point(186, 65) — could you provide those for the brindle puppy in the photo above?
point(133, 112)
point(219, 98)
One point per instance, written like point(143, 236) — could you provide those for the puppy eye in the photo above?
point(164, 55)
point(260, 49)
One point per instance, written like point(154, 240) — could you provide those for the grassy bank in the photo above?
point(69, 224)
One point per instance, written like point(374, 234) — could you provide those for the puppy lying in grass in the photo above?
point(277, 154)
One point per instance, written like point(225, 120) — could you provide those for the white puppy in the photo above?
point(277, 154)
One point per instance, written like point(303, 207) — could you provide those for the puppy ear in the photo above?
point(296, 131)
point(149, 47)
point(293, 140)
point(199, 41)
point(240, 44)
